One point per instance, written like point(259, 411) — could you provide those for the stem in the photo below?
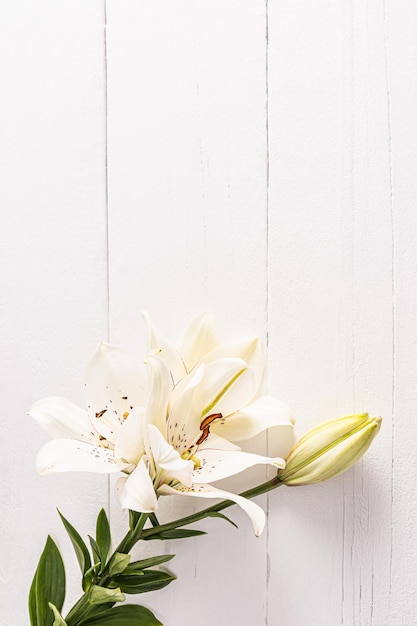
point(132, 536)
point(82, 608)
point(195, 517)
point(79, 611)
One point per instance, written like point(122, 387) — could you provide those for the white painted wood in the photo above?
point(331, 343)
point(52, 267)
point(309, 252)
point(187, 197)
point(272, 182)
point(401, 55)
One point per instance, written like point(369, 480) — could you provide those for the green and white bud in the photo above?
point(329, 449)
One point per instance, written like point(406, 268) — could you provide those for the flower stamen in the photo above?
point(205, 426)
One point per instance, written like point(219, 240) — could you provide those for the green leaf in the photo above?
point(128, 615)
point(81, 550)
point(59, 620)
point(48, 585)
point(176, 533)
point(151, 562)
point(149, 580)
point(96, 550)
point(101, 595)
point(118, 563)
point(103, 536)
point(227, 519)
point(133, 519)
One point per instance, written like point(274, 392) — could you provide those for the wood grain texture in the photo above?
point(187, 200)
point(52, 269)
point(254, 158)
point(309, 275)
point(401, 56)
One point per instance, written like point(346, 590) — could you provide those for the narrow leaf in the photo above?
point(227, 519)
point(133, 519)
point(149, 580)
point(128, 615)
point(48, 585)
point(59, 620)
point(81, 550)
point(176, 533)
point(103, 536)
point(151, 562)
point(96, 550)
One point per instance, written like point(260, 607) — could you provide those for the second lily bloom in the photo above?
point(174, 432)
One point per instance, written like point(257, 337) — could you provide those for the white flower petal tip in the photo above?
point(136, 492)
point(168, 459)
point(264, 413)
point(253, 511)
point(157, 344)
point(69, 455)
point(218, 464)
point(199, 338)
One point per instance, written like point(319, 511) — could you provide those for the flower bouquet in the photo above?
point(169, 427)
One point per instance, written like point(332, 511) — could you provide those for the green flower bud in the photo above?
point(329, 449)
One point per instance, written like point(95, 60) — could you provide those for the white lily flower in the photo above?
point(197, 345)
point(111, 435)
point(176, 437)
point(216, 399)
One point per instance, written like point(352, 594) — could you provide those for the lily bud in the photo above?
point(329, 449)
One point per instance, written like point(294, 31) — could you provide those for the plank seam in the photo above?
point(393, 311)
point(106, 192)
point(267, 173)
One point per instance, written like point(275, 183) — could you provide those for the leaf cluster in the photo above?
point(105, 579)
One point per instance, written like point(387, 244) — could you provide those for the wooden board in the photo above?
point(252, 158)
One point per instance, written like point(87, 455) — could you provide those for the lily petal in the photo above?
point(230, 385)
point(249, 350)
point(161, 385)
point(198, 338)
point(168, 459)
point(254, 418)
point(217, 443)
point(130, 444)
point(183, 426)
point(165, 349)
point(114, 385)
point(218, 464)
point(255, 513)
point(69, 455)
point(137, 492)
point(60, 417)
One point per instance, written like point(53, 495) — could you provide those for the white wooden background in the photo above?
point(257, 158)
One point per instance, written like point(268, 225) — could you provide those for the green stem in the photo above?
point(82, 608)
point(133, 536)
point(195, 517)
point(79, 611)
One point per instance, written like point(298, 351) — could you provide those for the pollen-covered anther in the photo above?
point(125, 415)
point(205, 426)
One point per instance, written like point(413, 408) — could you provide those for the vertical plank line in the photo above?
point(106, 192)
point(393, 311)
point(267, 173)
point(347, 491)
point(267, 164)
